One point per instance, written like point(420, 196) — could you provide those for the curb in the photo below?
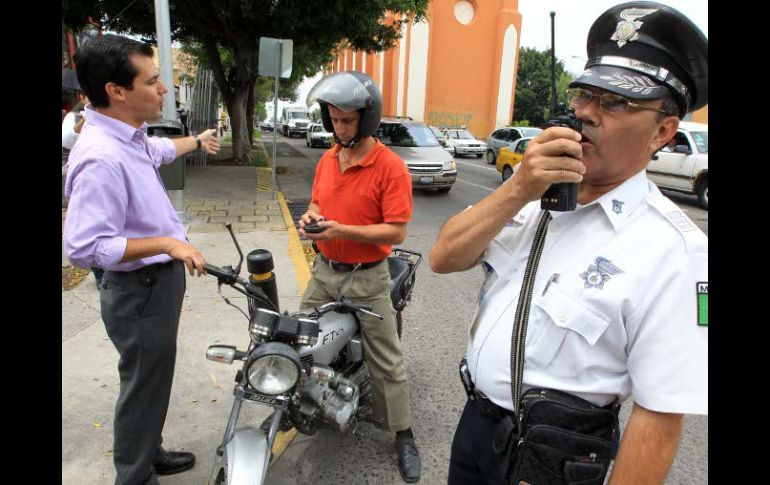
point(302, 270)
point(296, 253)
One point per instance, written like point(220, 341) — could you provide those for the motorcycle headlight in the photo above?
point(451, 165)
point(273, 368)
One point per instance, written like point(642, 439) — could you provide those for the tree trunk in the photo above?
point(250, 112)
point(239, 124)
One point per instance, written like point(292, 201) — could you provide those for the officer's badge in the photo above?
point(617, 206)
point(626, 30)
point(599, 272)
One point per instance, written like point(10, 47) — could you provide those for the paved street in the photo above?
point(434, 342)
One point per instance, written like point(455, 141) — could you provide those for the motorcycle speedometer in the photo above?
point(273, 368)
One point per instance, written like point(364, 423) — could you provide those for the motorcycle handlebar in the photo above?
point(346, 305)
point(218, 272)
point(228, 276)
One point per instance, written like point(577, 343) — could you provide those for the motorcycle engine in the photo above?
point(332, 397)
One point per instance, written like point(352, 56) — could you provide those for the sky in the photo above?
point(573, 21)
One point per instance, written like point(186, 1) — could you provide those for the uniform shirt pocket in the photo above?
point(561, 324)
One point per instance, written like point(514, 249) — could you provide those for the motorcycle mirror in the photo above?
point(229, 227)
point(342, 283)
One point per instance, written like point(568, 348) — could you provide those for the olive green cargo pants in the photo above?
point(382, 347)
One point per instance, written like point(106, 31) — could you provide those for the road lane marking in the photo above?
point(477, 166)
point(475, 185)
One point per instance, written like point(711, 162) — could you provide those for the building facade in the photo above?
point(456, 68)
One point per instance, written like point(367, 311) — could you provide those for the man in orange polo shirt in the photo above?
point(362, 198)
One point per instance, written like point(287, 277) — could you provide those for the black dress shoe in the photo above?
point(409, 464)
point(171, 462)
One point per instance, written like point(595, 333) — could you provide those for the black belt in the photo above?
point(154, 267)
point(489, 408)
point(147, 275)
point(345, 267)
point(474, 394)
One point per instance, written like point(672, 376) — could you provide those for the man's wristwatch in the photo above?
point(198, 141)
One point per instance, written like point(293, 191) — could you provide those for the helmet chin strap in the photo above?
point(351, 144)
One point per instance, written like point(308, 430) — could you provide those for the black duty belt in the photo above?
point(489, 408)
point(474, 394)
point(345, 267)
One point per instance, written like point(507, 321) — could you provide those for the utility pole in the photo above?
point(166, 67)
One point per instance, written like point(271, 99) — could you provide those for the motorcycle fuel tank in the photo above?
point(336, 329)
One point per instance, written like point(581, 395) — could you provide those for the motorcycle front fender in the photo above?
point(246, 457)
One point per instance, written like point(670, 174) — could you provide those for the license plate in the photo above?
point(426, 180)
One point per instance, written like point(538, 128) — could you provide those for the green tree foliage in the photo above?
point(227, 35)
point(533, 86)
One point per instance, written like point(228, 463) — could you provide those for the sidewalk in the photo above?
point(202, 391)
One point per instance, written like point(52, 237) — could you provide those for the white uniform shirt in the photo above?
point(634, 323)
point(68, 135)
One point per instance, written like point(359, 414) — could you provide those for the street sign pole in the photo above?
point(281, 50)
point(275, 119)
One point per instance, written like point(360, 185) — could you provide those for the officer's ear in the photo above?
point(666, 130)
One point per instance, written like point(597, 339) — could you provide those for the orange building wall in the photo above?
point(463, 66)
point(702, 115)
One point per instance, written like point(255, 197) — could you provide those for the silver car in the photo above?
point(441, 138)
point(502, 137)
point(318, 136)
point(462, 142)
point(430, 166)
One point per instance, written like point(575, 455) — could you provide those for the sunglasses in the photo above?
point(608, 102)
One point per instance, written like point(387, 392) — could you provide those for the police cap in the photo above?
point(636, 49)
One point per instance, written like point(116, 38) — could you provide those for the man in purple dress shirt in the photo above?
point(121, 219)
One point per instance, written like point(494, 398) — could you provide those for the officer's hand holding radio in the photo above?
point(551, 157)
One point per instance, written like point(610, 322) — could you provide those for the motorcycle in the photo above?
point(307, 365)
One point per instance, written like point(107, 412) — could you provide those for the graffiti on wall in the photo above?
point(444, 118)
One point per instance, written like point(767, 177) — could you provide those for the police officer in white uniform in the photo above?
point(620, 301)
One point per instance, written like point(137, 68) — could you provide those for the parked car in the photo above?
point(441, 138)
point(318, 136)
point(462, 142)
point(503, 137)
point(430, 166)
point(509, 157)
point(266, 124)
point(685, 168)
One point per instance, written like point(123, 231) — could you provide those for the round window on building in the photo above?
point(464, 12)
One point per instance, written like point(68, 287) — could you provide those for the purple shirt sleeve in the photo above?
point(161, 150)
point(99, 199)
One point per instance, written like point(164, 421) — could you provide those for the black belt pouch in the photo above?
point(560, 439)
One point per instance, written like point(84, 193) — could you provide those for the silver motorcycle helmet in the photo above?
point(348, 91)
